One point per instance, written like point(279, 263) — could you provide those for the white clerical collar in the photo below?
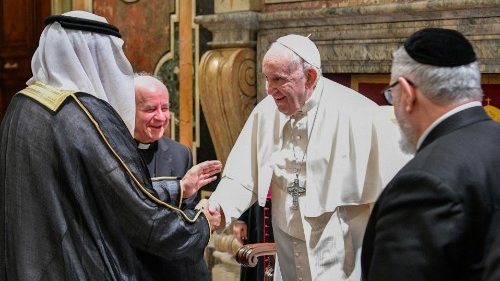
point(143, 145)
point(443, 117)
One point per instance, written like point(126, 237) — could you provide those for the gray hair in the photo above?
point(295, 59)
point(441, 85)
point(146, 74)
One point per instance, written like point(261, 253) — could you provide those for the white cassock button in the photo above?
point(296, 254)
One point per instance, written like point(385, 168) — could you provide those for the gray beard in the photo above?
point(408, 141)
point(406, 146)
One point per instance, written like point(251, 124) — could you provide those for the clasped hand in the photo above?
point(214, 214)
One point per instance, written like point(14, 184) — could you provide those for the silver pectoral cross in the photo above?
point(296, 190)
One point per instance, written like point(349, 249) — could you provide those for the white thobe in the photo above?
point(352, 152)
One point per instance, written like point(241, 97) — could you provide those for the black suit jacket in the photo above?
point(167, 157)
point(436, 219)
point(492, 271)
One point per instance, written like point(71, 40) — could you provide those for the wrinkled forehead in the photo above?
point(152, 95)
point(277, 51)
point(280, 60)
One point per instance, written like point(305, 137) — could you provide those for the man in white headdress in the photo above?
point(77, 200)
point(324, 150)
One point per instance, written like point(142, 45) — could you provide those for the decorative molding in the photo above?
point(224, 266)
point(360, 39)
point(231, 30)
point(224, 6)
point(227, 243)
point(380, 13)
point(227, 87)
point(248, 254)
point(130, 1)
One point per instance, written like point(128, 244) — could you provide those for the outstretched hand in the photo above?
point(200, 175)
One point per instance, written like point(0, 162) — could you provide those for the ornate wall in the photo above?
point(227, 84)
point(356, 39)
point(145, 27)
point(161, 38)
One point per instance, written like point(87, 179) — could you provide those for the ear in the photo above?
point(311, 76)
point(408, 95)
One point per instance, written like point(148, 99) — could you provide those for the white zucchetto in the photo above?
point(303, 47)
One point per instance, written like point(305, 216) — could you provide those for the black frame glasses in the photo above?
point(387, 90)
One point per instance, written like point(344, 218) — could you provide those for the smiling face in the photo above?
point(152, 109)
point(286, 80)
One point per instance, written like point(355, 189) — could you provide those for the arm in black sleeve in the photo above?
point(126, 201)
point(150, 216)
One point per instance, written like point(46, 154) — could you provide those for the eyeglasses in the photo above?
point(387, 91)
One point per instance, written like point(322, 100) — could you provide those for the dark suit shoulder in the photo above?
point(172, 144)
point(462, 157)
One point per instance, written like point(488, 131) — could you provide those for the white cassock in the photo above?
point(351, 151)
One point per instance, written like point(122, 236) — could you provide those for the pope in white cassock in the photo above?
point(325, 151)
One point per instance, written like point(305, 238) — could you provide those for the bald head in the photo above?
point(147, 83)
point(152, 109)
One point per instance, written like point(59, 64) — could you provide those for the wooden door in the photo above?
point(22, 24)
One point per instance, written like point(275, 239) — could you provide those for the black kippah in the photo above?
point(84, 24)
point(440, 47)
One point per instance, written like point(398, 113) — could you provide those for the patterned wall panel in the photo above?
point(145, 27)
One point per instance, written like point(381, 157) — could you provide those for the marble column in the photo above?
point(227, 95)
point(227, 76)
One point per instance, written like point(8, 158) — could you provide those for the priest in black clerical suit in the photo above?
point(164, 157)
point(168, 158)
point(437, 219)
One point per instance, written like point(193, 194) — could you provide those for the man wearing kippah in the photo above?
point(436, 220)
point(324, 150)
point(77, 199)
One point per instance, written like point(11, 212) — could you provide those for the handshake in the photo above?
point(198, 176)
point(214, 214)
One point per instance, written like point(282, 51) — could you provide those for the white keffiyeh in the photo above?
point(86, 61)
